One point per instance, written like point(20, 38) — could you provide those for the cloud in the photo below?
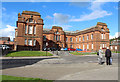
point(94, 15)
point(9, 31)
point(61, 18)
point(3, 8)
point(117, 34)
point(97, 12)
point(49, 17)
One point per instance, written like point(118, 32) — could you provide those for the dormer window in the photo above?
point(57, 32)
point(102, 29)
point(30, 20)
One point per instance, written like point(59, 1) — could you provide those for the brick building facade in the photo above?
point(30, 35)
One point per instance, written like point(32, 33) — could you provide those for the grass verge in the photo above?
point(27, 53)
point(6, 78)
point(83, 53)
point(115, 51)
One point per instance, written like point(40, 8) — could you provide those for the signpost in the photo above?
point(46, 48)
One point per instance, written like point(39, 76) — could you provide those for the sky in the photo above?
point(71, 16)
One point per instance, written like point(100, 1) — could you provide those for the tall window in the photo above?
point(92, 46)
point(70, 46)
point(66, 39)
point(79, 38)
point(25, 29)
point(87, 46)
point(34, 42)
point(102, 36)
point(71, 39)
point(30, 42)
point(34, 29)
point(83, 38)
point(83, 47)
point(25, 41)
point(30, 29)
point(57, 37)
point(91, 36)
point(103, 46)
point(87, 37)
point(76, 39)
point(79, 46)
point(115, 47)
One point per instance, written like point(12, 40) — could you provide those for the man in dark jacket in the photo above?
point(108, 55)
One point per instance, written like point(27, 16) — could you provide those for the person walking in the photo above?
point(100, 56)
point(108, 56)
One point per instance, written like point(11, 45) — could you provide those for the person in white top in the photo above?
point(100, 55)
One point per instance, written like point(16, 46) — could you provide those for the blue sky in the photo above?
point(69, 15)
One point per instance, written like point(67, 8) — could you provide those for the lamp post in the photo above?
point(46, 48)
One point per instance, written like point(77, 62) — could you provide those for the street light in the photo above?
point(46, 48)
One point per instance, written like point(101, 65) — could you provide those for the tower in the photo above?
point(29, 32)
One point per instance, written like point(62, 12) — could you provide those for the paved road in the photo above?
point(67, 67)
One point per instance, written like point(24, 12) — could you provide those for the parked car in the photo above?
point(45, 49)
point(65, 49)
point(4, 47)
point(71, 49)
point(53, 49)
point(62, 49)
point(77, 49)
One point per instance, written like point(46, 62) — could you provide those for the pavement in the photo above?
point(66, 67)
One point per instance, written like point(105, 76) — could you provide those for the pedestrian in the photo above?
point(108, 56)
point(100, 56)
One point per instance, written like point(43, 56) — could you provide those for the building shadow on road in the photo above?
point(11, 63)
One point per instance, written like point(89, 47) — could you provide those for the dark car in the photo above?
point(71, 49)
point(46, 49)
point(77, 49)
point(53, 49)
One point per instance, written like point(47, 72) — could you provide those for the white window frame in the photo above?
point(30, 29)
point(76, 39)
point(87, 46)
point(103, 45)
point(80, 46)
point(30, 42)
point(34, 29)
point(91, 36)
point(25, 41)
point(92, 46)
point(87, 37)
point(83, 47)
point(83, 38)
point(79, 38)
point(25, 29)
point(102, 36)
point(115, 47)
point(34, 42)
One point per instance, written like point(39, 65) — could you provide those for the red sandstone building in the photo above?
point(30, 35)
